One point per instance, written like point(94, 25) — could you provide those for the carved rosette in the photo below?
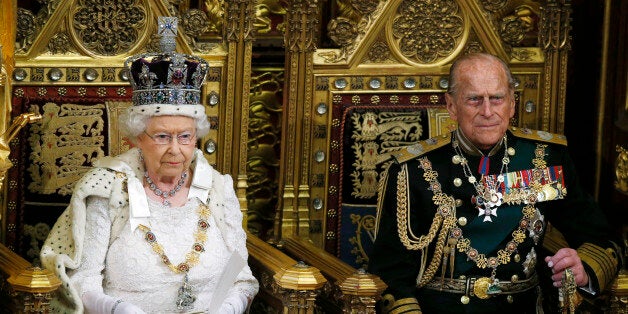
point(108, 28)
point(425, 31)
point(195, 22)
point(59, 44)
point(513, 28)
point(378, 53)
point(26, 28)
point(342, 31)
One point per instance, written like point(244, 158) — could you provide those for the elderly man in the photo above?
point(461, 217)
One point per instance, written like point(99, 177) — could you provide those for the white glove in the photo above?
point(235, 304)
point(100, 303)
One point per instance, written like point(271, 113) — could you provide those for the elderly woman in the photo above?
point(155, 229)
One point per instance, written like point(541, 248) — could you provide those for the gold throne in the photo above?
point(306, 99)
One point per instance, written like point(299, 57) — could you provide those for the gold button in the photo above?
point(517, 258)
point(456, 159)
point(457, 182)
point(458, 202)
point(462, 221)
point(514, 278)
point(510, 299)
point(464, 299)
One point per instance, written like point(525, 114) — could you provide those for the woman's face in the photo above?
point(165, 158)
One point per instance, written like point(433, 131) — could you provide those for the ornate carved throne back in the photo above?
point(382, 87)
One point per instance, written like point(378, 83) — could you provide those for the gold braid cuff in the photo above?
point(602, 261)
point(406, 305)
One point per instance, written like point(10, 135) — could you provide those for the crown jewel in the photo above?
point(166, 78)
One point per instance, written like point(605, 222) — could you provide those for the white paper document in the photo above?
point(228, 277)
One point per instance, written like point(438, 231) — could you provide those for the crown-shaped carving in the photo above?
point(167, 77)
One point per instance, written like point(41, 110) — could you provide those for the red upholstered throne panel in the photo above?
point(77, 126)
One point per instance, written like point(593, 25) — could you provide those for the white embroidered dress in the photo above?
point(98, 240)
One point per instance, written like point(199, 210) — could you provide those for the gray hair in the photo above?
point(453, 71)
point(133, 123)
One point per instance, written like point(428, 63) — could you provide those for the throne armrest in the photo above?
point(32, 287)
point(354, 291)
point(286, 285)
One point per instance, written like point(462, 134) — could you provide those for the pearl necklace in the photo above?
point(488, 198)
point(165, 195)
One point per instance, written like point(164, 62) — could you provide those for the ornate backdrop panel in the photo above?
point(79, 125)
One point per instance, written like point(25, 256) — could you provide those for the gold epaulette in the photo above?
point(539, 135)
point(422, 147)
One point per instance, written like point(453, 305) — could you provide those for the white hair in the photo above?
point(134, 121)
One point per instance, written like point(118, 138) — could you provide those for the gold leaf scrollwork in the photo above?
point(493, 5)
point(365, 6)
point(215, 12)
point(263, 15)
point(108, 28)
point(427, 31)
point(365, 225)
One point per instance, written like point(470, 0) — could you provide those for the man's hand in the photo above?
point(563, 259)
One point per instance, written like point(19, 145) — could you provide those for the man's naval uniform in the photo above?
point(428, 213)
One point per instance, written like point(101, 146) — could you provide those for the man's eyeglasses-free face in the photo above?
point(185, 138)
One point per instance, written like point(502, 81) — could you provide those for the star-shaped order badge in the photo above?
point(488, 206)
point(487, 212)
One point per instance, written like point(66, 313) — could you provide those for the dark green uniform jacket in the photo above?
point(426, 174)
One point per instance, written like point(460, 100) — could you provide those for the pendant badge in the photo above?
point(185, 299)
point(484, 208)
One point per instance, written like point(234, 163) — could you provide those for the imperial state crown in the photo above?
point(166, 82)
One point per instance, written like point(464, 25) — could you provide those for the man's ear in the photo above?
point(451, 107)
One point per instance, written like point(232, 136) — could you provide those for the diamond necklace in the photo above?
point(488, 197)
point(165, 195)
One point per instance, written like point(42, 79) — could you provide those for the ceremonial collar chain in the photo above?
point(185, 297)
point(488, 197)
point(165, 195)
point(445, 248)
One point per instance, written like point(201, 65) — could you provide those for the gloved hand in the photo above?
point(100, 303)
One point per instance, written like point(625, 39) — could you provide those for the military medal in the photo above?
point(489, 195)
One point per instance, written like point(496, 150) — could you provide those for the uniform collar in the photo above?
point(469, 148)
